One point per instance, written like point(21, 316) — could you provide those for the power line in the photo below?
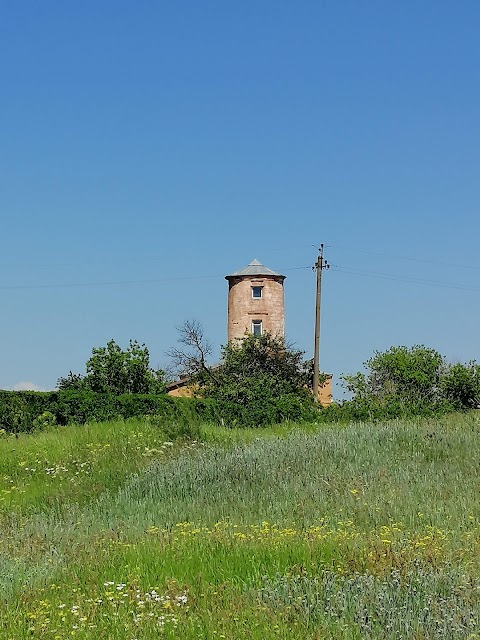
point(407, 258)
point(347, 270)
point(120, 282)
point(402, 278)
point(101, 284)
point(383, 254)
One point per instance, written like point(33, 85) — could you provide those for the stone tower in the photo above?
point(255, 302)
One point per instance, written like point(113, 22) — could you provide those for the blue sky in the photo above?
point(162, 145)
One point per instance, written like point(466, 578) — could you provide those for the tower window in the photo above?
point(257, 327)
point(257, 292)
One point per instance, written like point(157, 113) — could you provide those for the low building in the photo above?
point(181, 388)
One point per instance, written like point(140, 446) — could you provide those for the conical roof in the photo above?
point(255, 268)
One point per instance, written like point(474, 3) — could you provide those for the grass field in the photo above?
point(111, 531)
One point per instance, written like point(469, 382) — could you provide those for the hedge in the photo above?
point(22, 411)
point(19, 409)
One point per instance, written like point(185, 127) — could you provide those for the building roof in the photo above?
point(183, 381)
point(255, 268)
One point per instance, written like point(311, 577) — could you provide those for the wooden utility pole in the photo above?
point(319, 266)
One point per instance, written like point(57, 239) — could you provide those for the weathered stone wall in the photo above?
point(182, 391)
point(243, 308)
point(325, 392)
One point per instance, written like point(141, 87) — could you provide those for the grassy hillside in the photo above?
point(112, 531)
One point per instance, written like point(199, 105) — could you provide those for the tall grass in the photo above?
point(74, 464)
point(311, 532)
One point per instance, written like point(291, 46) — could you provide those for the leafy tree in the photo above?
point(409, 374)
point(113, 370)
point(256, 361)
point(460, 385)
point(414, 380)
point(72, 381)
point(260, 379)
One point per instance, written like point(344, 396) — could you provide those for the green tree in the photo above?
point(412, 373)
point(411, 380)
point(257, 357)
point(72, 381)
point(460, 385)
point(110, 369)
point(260, 380)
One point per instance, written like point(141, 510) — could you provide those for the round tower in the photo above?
point(255, 302)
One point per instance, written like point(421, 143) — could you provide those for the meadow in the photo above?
point(119, 531)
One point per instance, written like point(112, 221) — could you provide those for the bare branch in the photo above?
point(192, 360)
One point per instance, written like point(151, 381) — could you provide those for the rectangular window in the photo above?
point(257, 292)
point(257, 327)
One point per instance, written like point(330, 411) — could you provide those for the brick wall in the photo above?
point(243, 308)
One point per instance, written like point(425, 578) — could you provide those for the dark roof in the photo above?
point(255, 268)
point(181, 382)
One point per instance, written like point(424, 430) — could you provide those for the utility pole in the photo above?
point(319, 266)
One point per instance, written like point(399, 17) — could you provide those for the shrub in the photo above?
point(43, 421)
point(406, 382)
point(111, 369)
point(260, 381)
point(460, 385)
point(27, 410)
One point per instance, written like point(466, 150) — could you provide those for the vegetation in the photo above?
point(163, 524)
point(114, 371)
point(260, 380)
point(410, 381)
point(113, 531)
point(22, 411)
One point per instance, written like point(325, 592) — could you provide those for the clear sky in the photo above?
point(148, 149)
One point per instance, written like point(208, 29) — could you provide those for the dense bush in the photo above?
point(260, 412)
point(23, 411)
point(111, 369)
point(460, 385)
point(19, 409)
point(407, 382)
point(261, 380)
point(28, 410)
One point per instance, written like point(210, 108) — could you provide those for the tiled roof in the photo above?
point(255, 268)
